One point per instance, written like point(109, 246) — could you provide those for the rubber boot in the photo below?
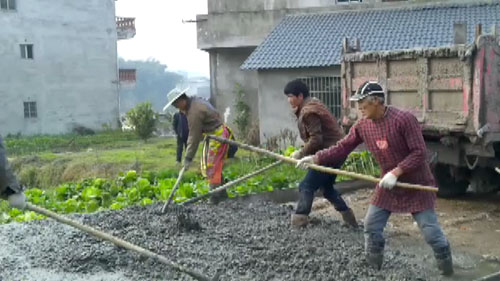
point(375, 260)
point(218, 197)
point(375, 254)
point(305, 202)
point(299, 220)
point(349, 218)
point(444, 261)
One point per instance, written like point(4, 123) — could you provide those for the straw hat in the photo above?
point(173, 95)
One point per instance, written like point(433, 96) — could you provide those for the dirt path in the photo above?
point(471, 223)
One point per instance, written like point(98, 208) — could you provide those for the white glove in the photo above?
point(295, 154)
point(388, 181)
point(17, 200)
point(302, 164)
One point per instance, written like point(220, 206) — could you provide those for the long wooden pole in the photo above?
point(491, 277)
point(231, 184)
point(121, 243)
point(321, 168)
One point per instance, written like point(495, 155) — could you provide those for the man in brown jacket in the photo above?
point(203, 119)
point(318, 129)
point(9, 187)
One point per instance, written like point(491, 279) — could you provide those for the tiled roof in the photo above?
point(315, 40)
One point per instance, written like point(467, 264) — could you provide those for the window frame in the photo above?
point(30, 110)
point(328, 89)
point(342, 2)
point(25, 51)
point(10, 5)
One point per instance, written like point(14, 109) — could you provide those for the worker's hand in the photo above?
point(295, 154)
point(17, 200)
point(302, 164)
point(186, 164)
point(388, 181)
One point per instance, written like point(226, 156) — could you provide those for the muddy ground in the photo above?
point(247, 240)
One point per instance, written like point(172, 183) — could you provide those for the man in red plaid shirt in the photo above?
point(395, 139)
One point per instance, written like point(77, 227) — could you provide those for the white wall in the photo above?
point(73, 75)
point(225, 73)
point(274, 110)
point(222, 6)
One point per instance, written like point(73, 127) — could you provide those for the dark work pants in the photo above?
point(181, 144)
point(313, 181)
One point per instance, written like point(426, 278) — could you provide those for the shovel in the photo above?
point(176, 186)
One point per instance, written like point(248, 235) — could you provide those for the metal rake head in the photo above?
point(185, 220)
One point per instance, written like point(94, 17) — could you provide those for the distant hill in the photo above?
point(154, 81)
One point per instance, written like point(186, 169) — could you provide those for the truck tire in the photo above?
point(451, 180)
point(484, 180)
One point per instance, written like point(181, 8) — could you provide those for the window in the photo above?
point(30, 109)
point(27, 51)
point(349, 1)
point(8, 4)
point(328, 90)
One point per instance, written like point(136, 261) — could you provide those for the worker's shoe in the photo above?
point(375, 260)
point(218, 197)
point(444, 261)
point(299, 220)
point(349, 218)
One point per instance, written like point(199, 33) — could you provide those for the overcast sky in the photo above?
point(162, 35)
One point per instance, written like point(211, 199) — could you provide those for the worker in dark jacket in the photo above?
point(319, 130)
point(9, 186)
point(181, 129)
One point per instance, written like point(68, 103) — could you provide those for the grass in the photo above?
point(93, 157)
point(108, 154)
point(49, 169)
point(20, 146)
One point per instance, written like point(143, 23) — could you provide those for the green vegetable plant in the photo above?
point(131, 188)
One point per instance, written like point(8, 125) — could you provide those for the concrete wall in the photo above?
point(73, 74)
point(243, 23)
point(274, 110)
point(222, 6)
point(232, 28)
point(225, 73)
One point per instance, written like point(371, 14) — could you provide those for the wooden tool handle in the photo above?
point(119, 242)
point(321, 168)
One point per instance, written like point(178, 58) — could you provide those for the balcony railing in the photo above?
point(125, 28)
point(127, 78)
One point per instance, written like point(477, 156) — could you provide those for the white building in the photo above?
point(58, 66)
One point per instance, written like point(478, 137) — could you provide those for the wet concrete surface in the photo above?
point(246, 239)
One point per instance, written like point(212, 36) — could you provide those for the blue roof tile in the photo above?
point(315, 40)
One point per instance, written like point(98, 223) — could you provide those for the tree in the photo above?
point(243, 112)
point(143, 118)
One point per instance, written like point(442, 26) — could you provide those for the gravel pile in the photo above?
point(245, 240)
